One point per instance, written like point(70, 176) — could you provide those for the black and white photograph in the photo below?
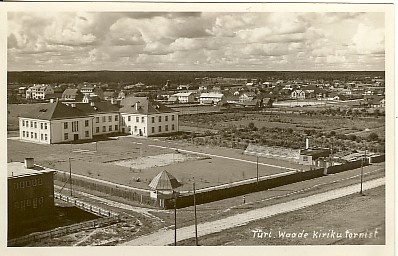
point(229, 125)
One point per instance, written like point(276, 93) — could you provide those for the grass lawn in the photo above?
point(206, 171)
point(352, 214)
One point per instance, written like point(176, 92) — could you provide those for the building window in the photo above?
point(116, 118)
point(166, 128)
point(28, 183)
point(87, 134)
point(45, 137)
point(109, 118)
point(31, 135)
point(39, 181)
point(41, 136)
point(166, 118)
point(160, 118)
point(65, 125)
point(116, 127)
point(135, 128)
point(27, 202)
point(86, 123)
point(104, 119)
point(97, 129)
point(129, 118)
point(153, 129)
point(75, 126)
point(41, 199)
point(23, 123)
point(142, 119)
point(41, 126)
point(104, 128)
point(34, 202)
point(31, 124)
point(153, 119)
point(172, 118)
point(34, 183)
point(172, 127)
point(160, 128)
point(65, 136)
point(23, 205)
point(35, 135)
point(35, 124)
point(97, 119)
point(110, 128)
point(23, 133)
point(305, 158)
point(45, 126)
point(137, 119)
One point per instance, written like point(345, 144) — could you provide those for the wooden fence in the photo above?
point(62, 231)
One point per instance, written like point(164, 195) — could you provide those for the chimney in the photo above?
point(92, 104)
point(136, 105)
point(51, 100)
point(113, 101)
point(307, 143)
point(29, 162)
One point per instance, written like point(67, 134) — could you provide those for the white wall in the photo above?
point(114, 122)
point(39, 131)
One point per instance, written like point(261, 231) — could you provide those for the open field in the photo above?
point(207, 166)
point(346, 215)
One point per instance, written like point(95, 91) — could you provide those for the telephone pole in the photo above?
point(196, 222)
point(70, 176)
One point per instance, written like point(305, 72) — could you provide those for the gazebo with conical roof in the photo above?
point(163, 185)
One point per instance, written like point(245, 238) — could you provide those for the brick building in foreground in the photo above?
point(30, 195)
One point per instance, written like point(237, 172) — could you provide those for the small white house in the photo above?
point(211, 98)
point(185, 97)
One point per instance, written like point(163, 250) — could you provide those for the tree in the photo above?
point(373, 137)
point(252, 126)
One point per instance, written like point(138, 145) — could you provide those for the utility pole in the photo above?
point(175, 218)
point(196, 222)
point(70, 176)
point(362, 163)
point(257, 170)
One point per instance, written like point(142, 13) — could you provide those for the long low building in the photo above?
point(57, 122)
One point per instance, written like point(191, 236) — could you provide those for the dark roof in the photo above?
point(315, 152)
point(99, 107)
point(51, 111)
point(70, 91)
point(145, 106)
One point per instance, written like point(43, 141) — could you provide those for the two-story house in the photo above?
point(141, 116)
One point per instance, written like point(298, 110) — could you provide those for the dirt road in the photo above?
point(165, 237)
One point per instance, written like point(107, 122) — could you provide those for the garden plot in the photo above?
point(156, 160)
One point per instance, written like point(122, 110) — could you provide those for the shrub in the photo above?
point(373, 137)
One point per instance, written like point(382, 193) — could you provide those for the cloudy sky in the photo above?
point(195, 41)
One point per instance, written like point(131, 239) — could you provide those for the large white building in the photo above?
point(141, 116)
point(57, 122)
point(39, 91)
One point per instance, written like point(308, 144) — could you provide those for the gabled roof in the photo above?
point(164, 181)
point(70, 91)
point(99, 107)
point(52, 111)
point(183, 94)
point(145, 106)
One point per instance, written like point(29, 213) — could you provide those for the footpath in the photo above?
point(166, 237)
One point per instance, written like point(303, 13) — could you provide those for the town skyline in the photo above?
point(195, 41)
